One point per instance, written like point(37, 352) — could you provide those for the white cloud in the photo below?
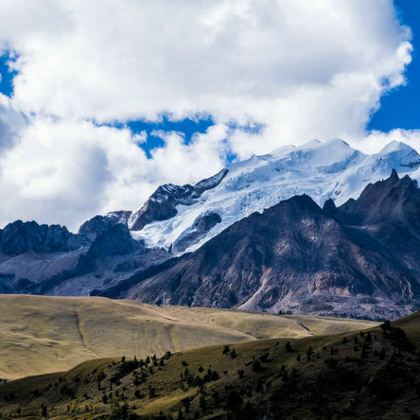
point(301, 69)
point(376, 139)
point(67, 171)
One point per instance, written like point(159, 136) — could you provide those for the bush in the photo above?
point(256, 366)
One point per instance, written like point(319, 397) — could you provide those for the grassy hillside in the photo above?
point(40, 334)
point(367, 374)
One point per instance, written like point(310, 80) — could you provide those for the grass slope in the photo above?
point(368, 374)
point(40, 334)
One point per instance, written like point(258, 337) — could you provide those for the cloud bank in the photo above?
point(298, 69)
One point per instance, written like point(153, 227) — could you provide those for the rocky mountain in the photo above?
point(170, 219)
point(361, 259)
point(19, 237)
point(45, 259)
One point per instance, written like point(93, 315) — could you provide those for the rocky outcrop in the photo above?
point(113, 242)
point(198, 230)
point(100, 224)
point(21, 237)
point(162, 203)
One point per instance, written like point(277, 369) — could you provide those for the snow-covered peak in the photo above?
point(399, 156)
point(322, 170)
point(396, 146)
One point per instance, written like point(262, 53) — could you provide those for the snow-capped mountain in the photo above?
point(361, 259)
point(182, 218)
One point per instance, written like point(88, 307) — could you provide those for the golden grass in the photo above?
point(41, 334)
point(166, 380)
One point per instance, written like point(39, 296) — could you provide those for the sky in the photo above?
point(400, 108)
point(101, 101)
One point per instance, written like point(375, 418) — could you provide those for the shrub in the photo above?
point(256, 366)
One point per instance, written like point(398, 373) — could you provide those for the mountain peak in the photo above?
point(394, 175)
point(396, 146)
point(390, 199)
point(329, 207)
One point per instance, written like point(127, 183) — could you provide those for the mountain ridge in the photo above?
point(106, 257)
point(298, 257)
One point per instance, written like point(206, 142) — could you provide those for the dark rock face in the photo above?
point(115, 241)
point(329, 208)
point(20, 237)
point(100, 224)
point(361, 259)
point(198, 230)
point(392, 200)
point(162, 203)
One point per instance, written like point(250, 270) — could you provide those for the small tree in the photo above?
point(309, 353)
point(226, 350)
point(289, 347)
point(152, 392)
point(256, 366)
point(43, 411)
point(386, 326)
point(203, 402)
point(233, 401)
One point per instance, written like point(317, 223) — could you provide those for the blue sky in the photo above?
point(400, 108)
point(6, 80)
